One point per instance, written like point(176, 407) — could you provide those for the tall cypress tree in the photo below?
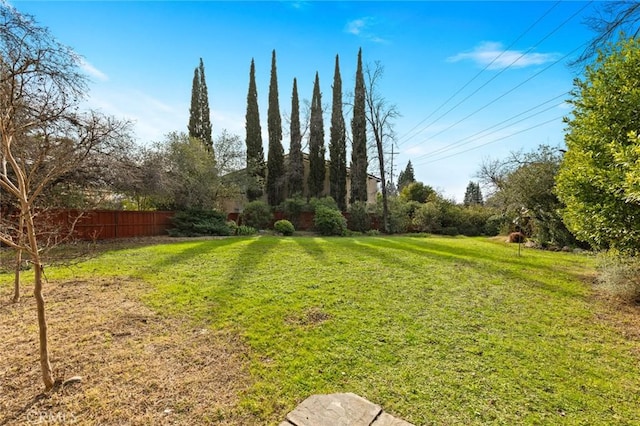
point(195, 113)
point(337, 145)
point(255, 153)
point(275, 161)
point(296, 165)
point(359, 136)
point(199, 113)
point(317, 171)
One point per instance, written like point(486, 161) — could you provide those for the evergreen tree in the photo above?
point(406, 176)
point(275, 161)
point(296, 164)
point(199, 113)
point(194, 110)
point(473, 195)
point(317, 171)
point(255, 153)
point(359, 136)
point(337, 145)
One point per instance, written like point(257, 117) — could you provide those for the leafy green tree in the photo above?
point(473, 195)
point(199, 114)
point(275, 161)
point(255, 153)
point(359, 160)
point(317, 168)
point(418, 191)
point(337, 145)
point(523, 186)
point(191, 176)
point(599, 179)
point(406, 176)
point(296, 161)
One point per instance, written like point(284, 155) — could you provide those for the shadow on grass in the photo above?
point(194, 249)
point(311, 246)
point(369, 248)
point(487, 261)
point(249, 257)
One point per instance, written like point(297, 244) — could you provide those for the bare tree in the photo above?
point(612, 19)
point(43, 136)
point(380, 115)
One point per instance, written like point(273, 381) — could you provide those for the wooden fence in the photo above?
point(105, 224)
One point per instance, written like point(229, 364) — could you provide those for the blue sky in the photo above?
point(471, 80)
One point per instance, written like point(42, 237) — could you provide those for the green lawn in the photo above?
point(436, 330)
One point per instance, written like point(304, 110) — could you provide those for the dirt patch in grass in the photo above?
point(311, 316)
point(137, 367)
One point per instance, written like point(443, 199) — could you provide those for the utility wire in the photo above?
point(490, 142)
point(505, 93)
point(511, 90)
point(449, 148)
point(478, 74)
point(483, 133)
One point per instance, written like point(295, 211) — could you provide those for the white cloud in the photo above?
point(355, 27)
point(362, 27)
point(493, 54)
point(91, 70)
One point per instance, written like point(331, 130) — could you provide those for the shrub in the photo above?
point(497, 224)
point(450, 230)
point(194, 223)
point(324, 201)
point(329, 221)
point(359, 219)
point(246, 230)
point(427, 218)
point(620, 276)
point(293, 208)
point(399, 219)
point(257, 214)
point(451, 214)
point(284, 227)
point(233, 227)
point(474, 220)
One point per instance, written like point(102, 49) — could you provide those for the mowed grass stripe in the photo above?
point(436, 330)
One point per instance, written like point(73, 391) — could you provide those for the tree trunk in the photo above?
point(385, 205)
point(45, 364)
point(47, 374)
point(16, 279)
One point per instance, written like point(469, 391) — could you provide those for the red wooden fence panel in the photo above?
point(106, 224)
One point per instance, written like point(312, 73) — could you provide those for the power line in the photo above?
point(479, 73)
point(505, 93)
point(483, 133)
point(490, 142)
point(511, 90)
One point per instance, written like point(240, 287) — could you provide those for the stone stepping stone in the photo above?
point(340, 409)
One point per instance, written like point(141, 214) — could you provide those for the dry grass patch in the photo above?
point(137, 367)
